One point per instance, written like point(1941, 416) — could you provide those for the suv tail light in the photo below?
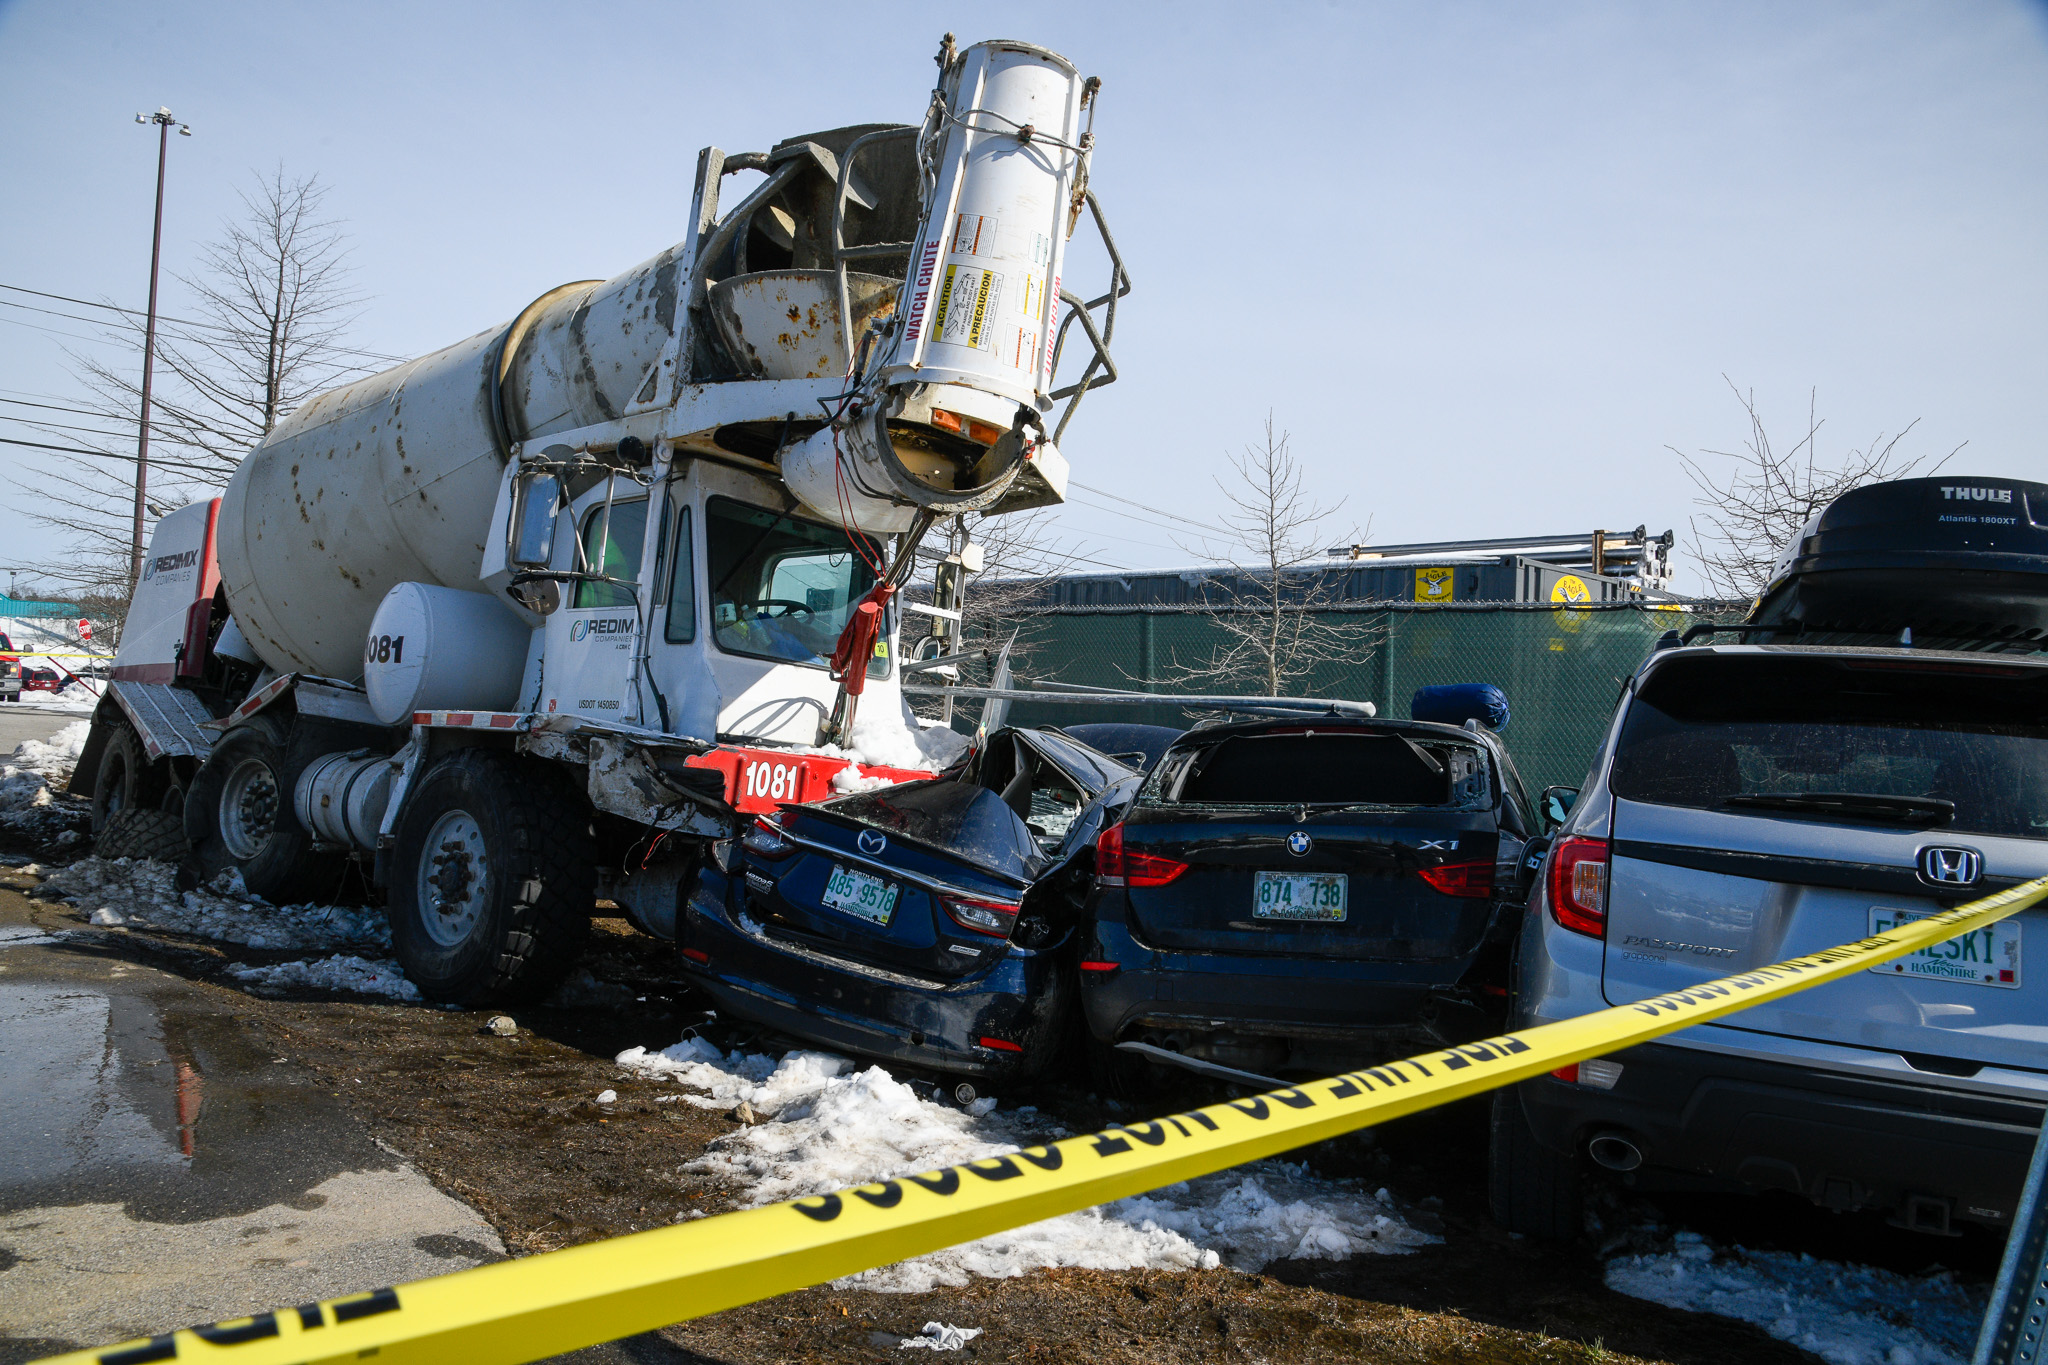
point(1116, 867)
point(1460, 879)
point(1578, 885)
point(994, 918)
point(765, 839)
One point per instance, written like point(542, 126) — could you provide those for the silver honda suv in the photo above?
point(1756, 802)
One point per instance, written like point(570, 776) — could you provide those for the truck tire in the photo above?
point(238, 814)
point(493, 879)
point(155, 835)
point(1530, 1189)
point(126, 779)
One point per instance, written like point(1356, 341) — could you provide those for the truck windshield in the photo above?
point(783, 589)
point(1890, 741)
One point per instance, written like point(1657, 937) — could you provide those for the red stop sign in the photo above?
point(84, 629)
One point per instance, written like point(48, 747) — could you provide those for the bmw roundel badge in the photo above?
point(1298, 843)
point(872, 841)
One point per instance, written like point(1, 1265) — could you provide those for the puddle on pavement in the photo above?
point(136, 1088)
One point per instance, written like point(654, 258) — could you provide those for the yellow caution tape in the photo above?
point(564, 1300)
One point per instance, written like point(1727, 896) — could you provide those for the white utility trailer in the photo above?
point(550, 613)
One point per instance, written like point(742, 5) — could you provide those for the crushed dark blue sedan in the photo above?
point(928, 924)
point(1288, 897)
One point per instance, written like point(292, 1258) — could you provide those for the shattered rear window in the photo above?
point(1297, 768)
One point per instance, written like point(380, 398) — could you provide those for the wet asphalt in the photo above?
point(160, 1168)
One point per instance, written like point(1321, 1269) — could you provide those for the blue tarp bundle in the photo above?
point(1456, 703)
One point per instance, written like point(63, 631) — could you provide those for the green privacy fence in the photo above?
point(1562, 668)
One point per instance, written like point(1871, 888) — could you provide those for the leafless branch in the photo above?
point(1768, 494)
point(1267, 607)
point(273, 302)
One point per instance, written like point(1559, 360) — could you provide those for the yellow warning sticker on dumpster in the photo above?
point(538, 1306)
point(1433, 585)
point(1570, 588)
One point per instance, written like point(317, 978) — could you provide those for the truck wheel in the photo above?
point(238, 814)
point(493, 879)
point(156, 835)
point(126, 778)
point(1530, 1189)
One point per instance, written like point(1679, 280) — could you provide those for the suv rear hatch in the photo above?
point(1771, 803)
point(1332, 841)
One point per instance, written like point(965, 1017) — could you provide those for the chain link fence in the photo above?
point(1562, 668)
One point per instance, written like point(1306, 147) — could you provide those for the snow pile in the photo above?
point(146, 894)
point(893, 741)
point(826, 1124)
point(29, 779)
point(337, 973)
point(851, 779)
point(1845, 1314)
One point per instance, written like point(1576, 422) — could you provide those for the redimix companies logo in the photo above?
point(602, 626)
point(1963, 493)
point(169, 564)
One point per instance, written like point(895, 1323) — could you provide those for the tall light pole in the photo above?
point(164, 122)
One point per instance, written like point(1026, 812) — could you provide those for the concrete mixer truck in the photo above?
point(553, 613)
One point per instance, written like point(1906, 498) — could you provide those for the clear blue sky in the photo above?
point(1485, 261)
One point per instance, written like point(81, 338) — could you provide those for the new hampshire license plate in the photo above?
point(860, 895)
point(1983, 957)
point(1300, 895)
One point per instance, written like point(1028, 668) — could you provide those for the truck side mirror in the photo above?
point(1557, 804)
point(536, 500)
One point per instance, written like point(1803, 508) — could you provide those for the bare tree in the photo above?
point(1018, 554)
point(1769, 494)
point(273, 300)
point(1267, 603)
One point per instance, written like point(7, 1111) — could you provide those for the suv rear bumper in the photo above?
point(1705, 1119)
point(1273, 1012)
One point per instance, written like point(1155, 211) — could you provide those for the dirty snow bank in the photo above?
point(826, 1123)
point(337, 973)
point(146, 894)
point(1845, 1314)
point(30, 778)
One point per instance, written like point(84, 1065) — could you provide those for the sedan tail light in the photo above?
point(1116, 866)
point(1460, 879)
point(994, 918)
point(1578, 885)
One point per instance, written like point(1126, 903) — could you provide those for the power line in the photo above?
point(183, 322)
point(1156, 511)
point(109, 455)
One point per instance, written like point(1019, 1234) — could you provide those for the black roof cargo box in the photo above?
point(1950, 557)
